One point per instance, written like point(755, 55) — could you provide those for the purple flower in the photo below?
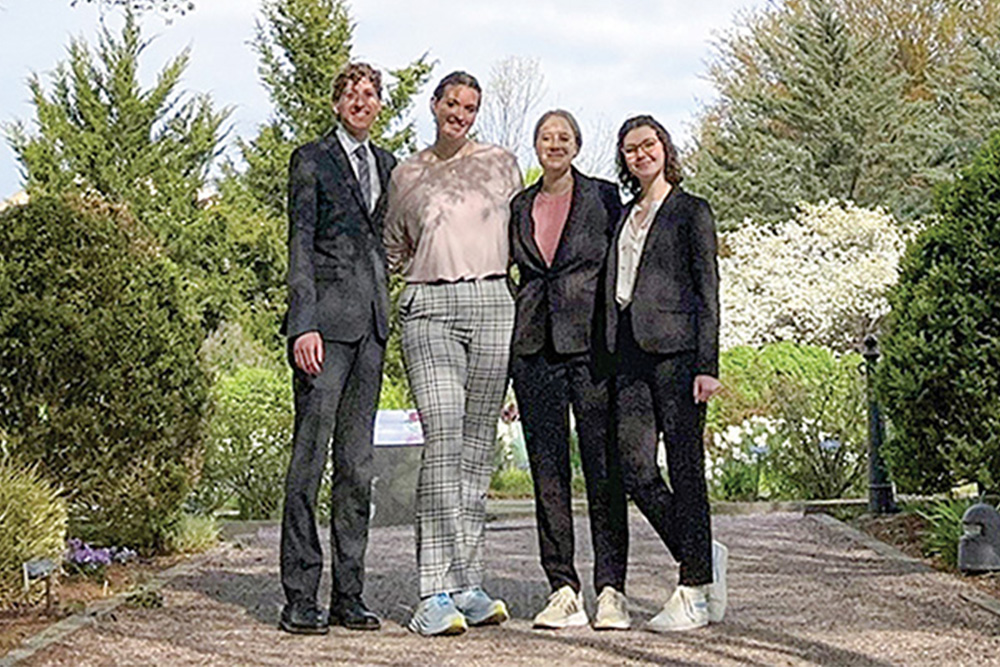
point(82, 556)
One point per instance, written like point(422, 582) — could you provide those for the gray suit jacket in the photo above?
point(558, 301)
point(675, 303)
point(336, 269)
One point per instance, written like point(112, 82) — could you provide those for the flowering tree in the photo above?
point(817, 279)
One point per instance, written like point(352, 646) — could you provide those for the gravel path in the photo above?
point(802, 592)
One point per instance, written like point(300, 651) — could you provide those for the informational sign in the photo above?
point(398, 428)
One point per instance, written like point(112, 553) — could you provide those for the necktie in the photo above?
point(364, 175)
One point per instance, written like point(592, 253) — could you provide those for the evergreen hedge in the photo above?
point(100, 382)
point(939, 379)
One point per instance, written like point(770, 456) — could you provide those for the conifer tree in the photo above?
point(839, 98)
point(99, 132)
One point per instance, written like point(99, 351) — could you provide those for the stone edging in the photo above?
point(95, 610)
point(972, 595)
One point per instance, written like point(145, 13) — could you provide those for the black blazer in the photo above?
point(336, 260)
point(675, 303)
point(558, 301)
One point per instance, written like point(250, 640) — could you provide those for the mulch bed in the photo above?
point(905, 531)
point(72, 594)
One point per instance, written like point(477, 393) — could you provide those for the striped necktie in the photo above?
point(364, 175)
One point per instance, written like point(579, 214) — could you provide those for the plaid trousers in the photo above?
point(456, 345)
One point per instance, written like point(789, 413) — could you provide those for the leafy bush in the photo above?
point(249, 444)
point(193, 533)
point(772, 430)
point(822, 451)
point(944, 528)
point(100, 381)
point(33, 516)
point(939, 378)
point(818, 278)
point(511, 483)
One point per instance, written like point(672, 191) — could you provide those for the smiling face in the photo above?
point(358, 107)
point(455, 111)
point(556, 144)
point(644, 153)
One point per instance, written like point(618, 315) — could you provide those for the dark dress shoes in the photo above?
point(353, 615)
point(304, 620)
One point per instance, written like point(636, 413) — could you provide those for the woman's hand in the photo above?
point(705, 386)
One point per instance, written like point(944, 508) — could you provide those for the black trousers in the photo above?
point(546, 385)
point(653, 393)
point(340, 404)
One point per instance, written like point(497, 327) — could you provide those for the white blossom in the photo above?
point(817, 279)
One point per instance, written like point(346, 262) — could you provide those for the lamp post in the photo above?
point(880, 495)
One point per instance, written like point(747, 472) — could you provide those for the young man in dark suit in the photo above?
point(337, 325)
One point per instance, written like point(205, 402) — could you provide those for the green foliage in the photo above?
point(193, 533)
point(395, 383)
point(939, 379)
point(773, 426)
point(511, 483)
point(944, 528)
point(820, 99)
point(302, 45)
point(100, 382)
point(249, 443)
point(99, 132)
point(822, 435)
point(33, 516)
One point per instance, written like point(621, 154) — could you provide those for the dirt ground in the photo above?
point(905, 531)
point(802, 592)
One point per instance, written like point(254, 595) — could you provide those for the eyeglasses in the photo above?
point(647, 147)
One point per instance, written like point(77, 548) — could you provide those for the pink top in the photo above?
point(447, 220)
point(550, 213)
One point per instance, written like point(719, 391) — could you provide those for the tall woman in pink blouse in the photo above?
point(446, 230)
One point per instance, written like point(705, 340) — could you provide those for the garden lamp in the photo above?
point(979, 547)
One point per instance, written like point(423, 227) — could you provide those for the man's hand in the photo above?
point(705, 386)
point(308, 352)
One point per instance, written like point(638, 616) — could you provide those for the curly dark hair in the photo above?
point(351, 74)
point(457, 78)
point(672, 163)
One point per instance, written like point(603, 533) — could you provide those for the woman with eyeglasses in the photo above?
point(446, 230)
point(662, 324)
point(560, 231)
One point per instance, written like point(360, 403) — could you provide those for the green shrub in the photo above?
point(193, 533)
point(100, 381)
point(33, 517)
point(939, 378)
point(944, 528)
point(822, 436)
point(249, 443)
point(772, 429)
point(511, 483)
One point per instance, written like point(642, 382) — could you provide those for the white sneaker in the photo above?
point(716, 591)
point(686, 609)
point(437, 615)
point(612, 611)
point(564, 609)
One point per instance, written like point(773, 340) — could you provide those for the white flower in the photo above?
point(819, 278)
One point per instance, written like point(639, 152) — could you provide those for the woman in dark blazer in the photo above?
point(662, 324)
point(559, 235)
